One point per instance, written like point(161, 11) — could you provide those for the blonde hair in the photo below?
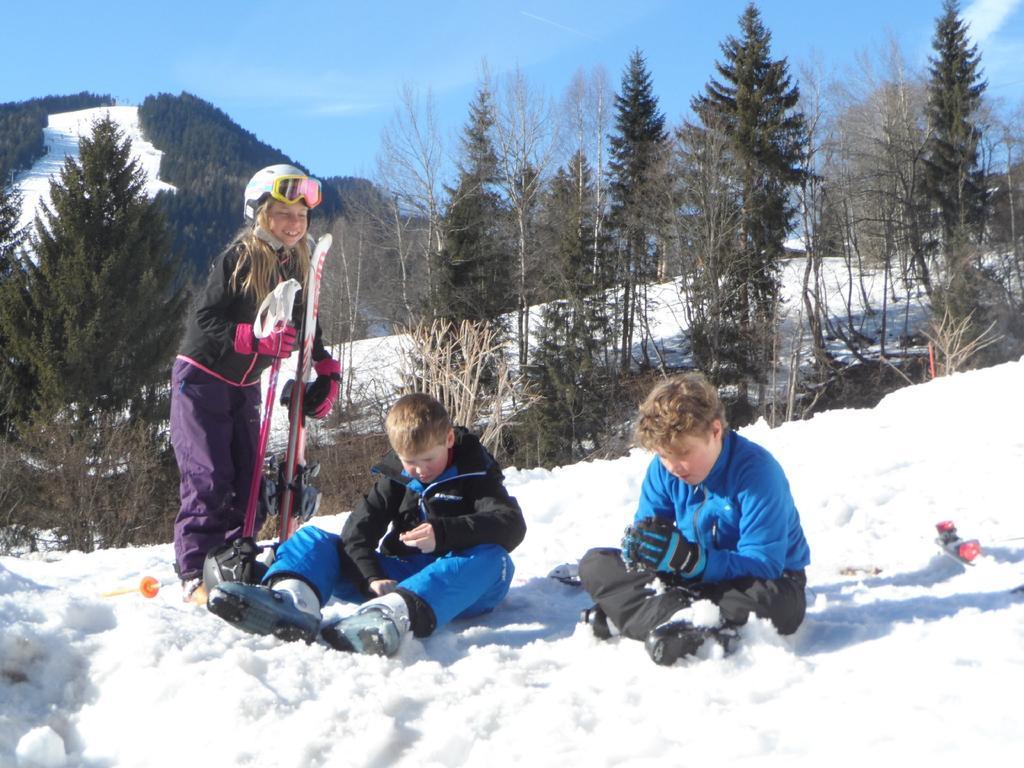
point(256, 270)
point(687, 404)
point(416, 423)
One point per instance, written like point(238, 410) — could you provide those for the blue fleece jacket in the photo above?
point(742, 515)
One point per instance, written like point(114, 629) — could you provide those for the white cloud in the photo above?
point(987, 16)
point(334, 108)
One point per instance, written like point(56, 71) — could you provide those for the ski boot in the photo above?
point(674, 639)
point(376, 628)
point(598, 622)
point(288, 611)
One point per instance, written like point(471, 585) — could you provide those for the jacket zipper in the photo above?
point(423, 496)
point(696, 515)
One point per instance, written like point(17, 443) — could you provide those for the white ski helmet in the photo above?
point(282, 182)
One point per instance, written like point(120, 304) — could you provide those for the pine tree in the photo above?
point(708, 224)
point(754, 104)
point(473, 278)
point(10, 236)
point(567, 369)
point(637, 167)
point(955, 184)
point(954, 180)
point(95, 313)
point(13, 379)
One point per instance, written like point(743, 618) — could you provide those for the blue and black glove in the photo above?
point(628, 547)
point(657, 545)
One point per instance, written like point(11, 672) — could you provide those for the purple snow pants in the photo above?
point(215, 432)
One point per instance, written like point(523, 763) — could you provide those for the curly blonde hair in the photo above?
point(256, 270)
point(684, 405)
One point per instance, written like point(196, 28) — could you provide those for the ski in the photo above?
point(964, 551)
point(294, 472)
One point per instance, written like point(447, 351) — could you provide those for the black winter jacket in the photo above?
point(468, 509)
point(217, 311)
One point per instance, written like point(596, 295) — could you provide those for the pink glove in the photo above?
point(323, 392)
point(278, 344)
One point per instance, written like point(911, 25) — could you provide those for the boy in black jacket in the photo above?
point(452, 525)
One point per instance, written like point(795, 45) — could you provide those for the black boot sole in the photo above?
point(670, 642)
point(235, 610)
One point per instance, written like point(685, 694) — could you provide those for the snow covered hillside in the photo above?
point(61, 137)
point(905, 655)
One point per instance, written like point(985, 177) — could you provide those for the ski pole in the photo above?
point(276, 310)
point(148, 587)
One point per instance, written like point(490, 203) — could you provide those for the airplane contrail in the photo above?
point(558, 26)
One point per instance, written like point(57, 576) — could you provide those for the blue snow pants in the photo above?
point(455, 585)
point(215, 433)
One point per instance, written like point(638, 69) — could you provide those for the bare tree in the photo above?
point(466, 368)
point(410, 167)
point(1006, 137)
point(525, 145)
point(811, 200)
point(873, 170)
point(586, 116)
point(68, 486)
point(955, 342)
point(707, 220)
point(586, 119)
point(343, 292)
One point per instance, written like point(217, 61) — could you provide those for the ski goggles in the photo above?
point(291, 189)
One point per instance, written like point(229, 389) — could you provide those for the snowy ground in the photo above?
point(61, 138)
point(904, 655)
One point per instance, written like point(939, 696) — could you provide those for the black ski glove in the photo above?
point(657, 545)
point(321, 393)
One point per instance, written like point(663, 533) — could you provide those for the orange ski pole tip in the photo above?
point(149, 586)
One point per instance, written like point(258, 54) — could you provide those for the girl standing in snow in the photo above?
point(215, 382)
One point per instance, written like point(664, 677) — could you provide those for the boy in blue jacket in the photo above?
point(428, 544)
point(716, 521)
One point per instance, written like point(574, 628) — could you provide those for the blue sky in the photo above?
point(319, 79)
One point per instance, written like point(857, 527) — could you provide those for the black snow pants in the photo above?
point(629, 600)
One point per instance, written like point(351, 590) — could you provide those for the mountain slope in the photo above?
point(22, 124)
point(204, 154)
point(60, 140)
point(210, 158)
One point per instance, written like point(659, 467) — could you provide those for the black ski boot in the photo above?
point(597, 620)
point(671, 641)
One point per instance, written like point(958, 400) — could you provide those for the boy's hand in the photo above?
point(657, 545)
point(422, 537)
point(381, 587)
